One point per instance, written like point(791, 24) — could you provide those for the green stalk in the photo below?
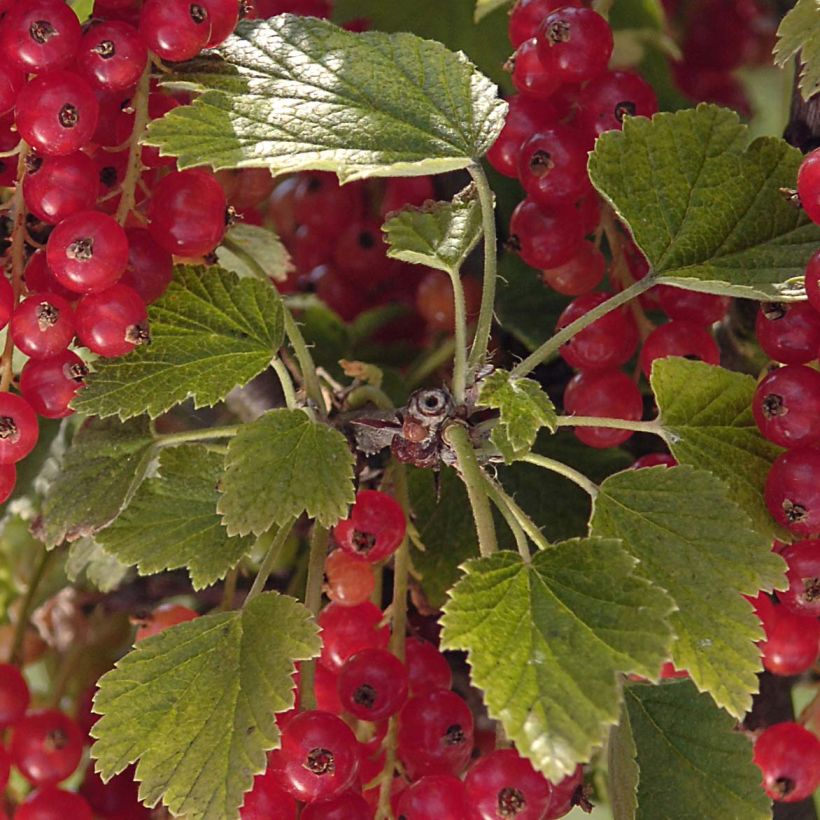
point(313, 601)
point(306, 363)
point(134, 169)
point(460, 353)
point(24, 613)
point(272, 541)
point(287, 383)
point(562, 469)
point(481, 340)
point(512, 522)
point(652, 427)
point(500, 497)
point(205, 434)
point(430, 362)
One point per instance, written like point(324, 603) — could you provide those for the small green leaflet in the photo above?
point(196, 704)
point(484, 7)
point(708, 211)
point(799, 31)
point(86, 557)
point(100, 471)
point(282, 465)
point(707, 413)
point(249, 250)
point(682, 757)
point(172, 520)
point(547, 640)
point(437, 234)
point(692, 540)
point(210, 332)
point(524, 408)
point(297, 93)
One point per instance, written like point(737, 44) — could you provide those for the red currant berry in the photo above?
point(318, 759)
point(435, 734)
point(57, 187)
point(224, 16)
point(187, 213)
point(589, 214)
point(161, 618)
point(42, 325)
point(5, 767)
point(582, 274)
point(552, 166)
point(608, 342)
point(12, 79)
point(678, 338)
point(788, 755)
point(267, 800)
point(604, 102)
point(39, 278)
point(46, 746)
point(175, 30)
point(57, 113)
point(803, 574)
point(347, 630)
point(439, 795)
point(786, 406)
point(812, 281)
point(524, 118)
point(791, 643)
point(113, 322)
point(6, 301)
point(159, 104)
point(789, 332)
point(375, 527)
point(14, 695)
point(361, 254)
point(372, 684)
point(530, 76)
point(51, 803)
point(350, 579)
point(112, 55)
point(118, 799)
point(326, 690)
point(40, 35)
point(401, 192)
point(87, 252)
point(427, 668)
point(654, 460)
point(792, 491)
point(319, 201)
point(527, 15)
point(808, 185)
point(150, 268)
point(545, 238)
point(603, 394)
point(8, 480)
point(435, 303)
point(347, 806)
point(701, 308)
point(9, 139)
point(504, 784)
point(335, 291)
point(49, 385)
point(576, 43)
point(18, 428)
point(565, 795)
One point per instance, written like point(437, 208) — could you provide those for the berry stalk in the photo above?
point(132, 175)
point(306, 363)
point(272, 541)
point(313, 601)
point(565, 470)
point(287, 383)
point(652, 427)
point(24, 615)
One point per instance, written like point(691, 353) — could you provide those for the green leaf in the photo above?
point(172, 521)
point(100, 472)
point(524, 408)
point(707, 412)
point(87, 557)
point(546, 641)
point(196, 704)
point(707, 211)
point(282, 465)
point(692, 540)
point(437, 234)
point(799, 31)
point(297, 93)
point(484, 7)
point(691, 762)
point(211, 332)
point(250, 250)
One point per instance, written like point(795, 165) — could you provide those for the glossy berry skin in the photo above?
point(701, 308)
point(318, 759)
point(267, 800)
point(40, 35)
point(18, 428)
point(57, 113)
point(603, 394)
point(87, 252)
point(350, 579)
point(112, 55)
point(435, 734)
point(786, 406)
point(545, 238)
point(12, 80)
point(49, 385)
point(654, 460)
point(803, 574)
point(224, 16)
point(57, 187)
point(8, 480)
point(524, 118)
point(319, 201)
point(576, 43)
point(361, 253)
point(175, 30)
point(678, 338)
point(150, 268)
point(187, 213)
point(604, 102)
point(552, 166)
point(347, 630)
point(808, 185)
point(42, 325)
point(14, 695)
point(426, 667)
point(504, 784)
point(347, 806)
point(812, 281)
point(51, 803)
point(113, 322)
point(531, 78)
point(788, 755)
point(564, 795)
point(372, 684)
point(527, 15)
point(115, 800)
point(580, 275)
point(161, 618)
point(435, 304)
point(327, 690)
point(6, 301)
point(442, 796)
point(788, 332)
point(46, 746)
point(608, 342)
point(5, 767)
point(792, 491)
point(40, 279)
point(375, 527)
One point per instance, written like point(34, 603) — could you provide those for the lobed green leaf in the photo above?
point(86, 557)
point(799, 36)
point(250, 250)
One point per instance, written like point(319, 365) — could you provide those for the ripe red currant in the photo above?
point(375, 527)
point(372, 684)
point(789, 332)
point(808, 185)
point(8, 480)
point(576, 43)
point(427, 668)
point(57, 187)
point(442, 796)
point(399, 192)
point(113, 322)
point(350, 579)
point(604, 102)
point(678, 338)
point(812, 281)
point(14, 695)
point(267, 800)
point(788, 755)
point(175, 30)
point(39, 278)
point(527, 15)
point(552, 166)
point(654, 460)
point(42, 325)
point(224, 16)
point(524, 118)
point(581, 274)
point(530, 76)
point(6, 301)
point(545, 238)
point(50, 384)
point(347, 630)
point(112, 55)
point(792, 491)
point(701, 308)
point(566, 794)
point(803, 574)
point(161, 618)
point(51, 803)
point(46, 746)
point(40, 35)
point(347, 806)
point(150, 268)
point(791, 643)
point(12, 79)
point(18, 428)
point(786, 406)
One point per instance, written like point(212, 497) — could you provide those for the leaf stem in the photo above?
point(653, 427)
point(512, 522)
point(132, 175)
point(430, 362)
point(205, 434)
point(313, 601)
point(272, 541)
point(500, 496)
point(475, 482)
point(565, 470)
point(365, 393)
point(287, 383)
point(460, 353)
point(552, 345)
point(23, 615)
point(306, 363)
point(481, 340)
